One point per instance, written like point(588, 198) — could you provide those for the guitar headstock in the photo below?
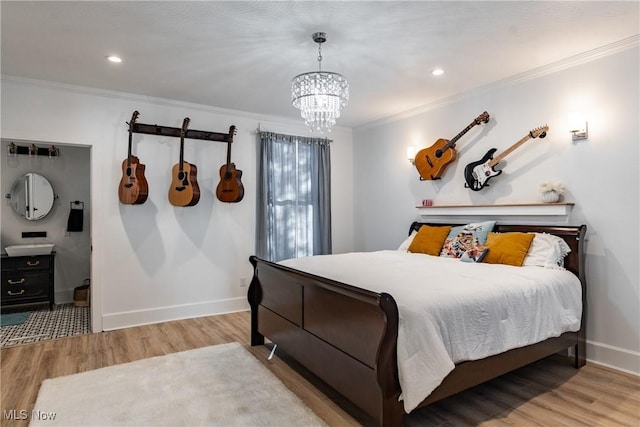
point(539, 132)
point(134, 117)
point(482, 118)
point(231, 134)
point(185, 125)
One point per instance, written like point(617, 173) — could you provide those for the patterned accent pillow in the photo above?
point(475, 254)
point(464, 237)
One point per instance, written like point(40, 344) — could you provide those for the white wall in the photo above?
point(156, 262)
point(69, 177)
point(601, 174)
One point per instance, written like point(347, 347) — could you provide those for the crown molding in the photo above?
point(554, 67)
point(131, 97)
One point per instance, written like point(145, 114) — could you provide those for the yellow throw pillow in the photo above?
point(429, 240)
point(508, 248)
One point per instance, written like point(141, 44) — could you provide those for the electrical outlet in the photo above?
point(243, 282)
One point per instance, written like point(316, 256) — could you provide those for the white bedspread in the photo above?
point(451, 311)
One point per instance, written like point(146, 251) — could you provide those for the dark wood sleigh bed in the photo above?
point(347, 336)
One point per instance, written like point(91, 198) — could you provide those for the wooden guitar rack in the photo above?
point(190, 133)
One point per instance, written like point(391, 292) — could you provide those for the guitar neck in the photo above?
point(452, 142)
point(134, 117)
point(508, 151)
point(183, 131)
point(181, 151)
point(228, 154)
point(129, 152)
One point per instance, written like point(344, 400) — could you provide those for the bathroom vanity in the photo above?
point(27, 281)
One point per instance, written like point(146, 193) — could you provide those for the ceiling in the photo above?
point(241, 55)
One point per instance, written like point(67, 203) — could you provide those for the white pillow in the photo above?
point(404, 246)
point(547, 251)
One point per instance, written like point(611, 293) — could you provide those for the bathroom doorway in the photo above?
point(67, 168)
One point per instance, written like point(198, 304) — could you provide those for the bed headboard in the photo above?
point(573, 235)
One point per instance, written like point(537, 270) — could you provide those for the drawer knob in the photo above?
point(33, 263)
point(15, 293)
point(16, 282)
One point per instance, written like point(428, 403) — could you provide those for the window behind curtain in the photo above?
point(294, 197)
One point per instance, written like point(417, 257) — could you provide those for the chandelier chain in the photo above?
point(319, 57)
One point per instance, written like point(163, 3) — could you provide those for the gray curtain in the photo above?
point(294, 197)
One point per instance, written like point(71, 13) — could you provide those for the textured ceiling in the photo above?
point(242, 55)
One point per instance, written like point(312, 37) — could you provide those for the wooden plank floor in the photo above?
point(549, 393)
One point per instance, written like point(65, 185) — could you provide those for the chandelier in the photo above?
point(320, 95)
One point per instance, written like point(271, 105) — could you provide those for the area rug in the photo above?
point(222, 385)
point(11, 319)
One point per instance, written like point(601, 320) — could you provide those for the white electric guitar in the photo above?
point(477, 174)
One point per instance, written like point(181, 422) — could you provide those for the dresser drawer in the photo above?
point(27, 281)
point(24, 285)
point(32, 263)
point(8, 263)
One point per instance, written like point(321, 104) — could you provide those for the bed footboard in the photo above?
point(345, 335)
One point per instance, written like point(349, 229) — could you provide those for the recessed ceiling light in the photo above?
point(437, 72)
point(114, 58)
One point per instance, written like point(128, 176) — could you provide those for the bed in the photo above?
point(348, 335)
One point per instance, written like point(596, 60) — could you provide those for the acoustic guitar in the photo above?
point(230, 188)
point(431, 162)
point(184, 190)
point(477, 174)
point(133, 188)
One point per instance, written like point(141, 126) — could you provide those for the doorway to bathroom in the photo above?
point(66, 225)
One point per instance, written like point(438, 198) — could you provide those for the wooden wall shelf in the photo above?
point(517, 209)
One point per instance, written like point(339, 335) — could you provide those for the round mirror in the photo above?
point(32, 196)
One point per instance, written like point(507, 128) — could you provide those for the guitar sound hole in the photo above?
point(180, 176)
point(438, 153)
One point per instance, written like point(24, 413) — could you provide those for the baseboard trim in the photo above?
point(598, 353)
point(613, 357)
point(130, 319)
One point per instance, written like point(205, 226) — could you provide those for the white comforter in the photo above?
point(451, 311)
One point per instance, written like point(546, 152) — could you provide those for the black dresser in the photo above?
point(27, 281)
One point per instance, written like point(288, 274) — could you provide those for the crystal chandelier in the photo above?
point(320, 95)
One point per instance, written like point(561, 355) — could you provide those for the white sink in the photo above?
point(30, 250)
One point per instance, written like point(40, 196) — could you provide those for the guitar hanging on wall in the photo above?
point(184, 190)
point(230, 188)
point(133, 188)
point(477, 174)
point(431, 162)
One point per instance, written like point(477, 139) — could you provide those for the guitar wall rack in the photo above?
point(190, 133)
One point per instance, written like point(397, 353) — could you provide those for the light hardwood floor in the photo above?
point(549, 393)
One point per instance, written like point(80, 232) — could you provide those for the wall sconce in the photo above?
point(32, 150)
point(411, 154)
point(53, 152)
point(578, 126)
point(12, 150)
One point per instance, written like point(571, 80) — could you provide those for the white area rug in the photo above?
point(222, 385)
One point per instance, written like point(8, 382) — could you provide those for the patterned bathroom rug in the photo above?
point(64, 320)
